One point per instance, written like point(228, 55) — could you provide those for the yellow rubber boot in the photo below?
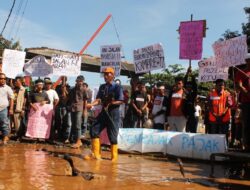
point(114, 152)
point(95, 151)
point(96, 148)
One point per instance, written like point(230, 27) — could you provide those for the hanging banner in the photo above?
point(208, 71)
point(189, 145)
point(39, 122)
point(38, 67)
point(231, 52)
point(149, 58)
point(66, 65)
point(13, 62)
point(111, 57)
point(191, 38)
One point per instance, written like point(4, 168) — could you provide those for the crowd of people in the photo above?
point(178, 108)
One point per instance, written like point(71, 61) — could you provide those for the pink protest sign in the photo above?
point(39, 122)
point(191, 37)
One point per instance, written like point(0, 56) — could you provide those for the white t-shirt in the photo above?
point(52, 95)
point(158, 106)
point(197, 111)
point(6, 93)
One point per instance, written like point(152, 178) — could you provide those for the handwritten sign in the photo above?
point(191, 145)
point(230, 52)
point(208, 71)
point(66, 65)
point(13, 62)
point(149, 58)
point(39, 122)
point(111, 57)
point(38, 67)
point(191, 37)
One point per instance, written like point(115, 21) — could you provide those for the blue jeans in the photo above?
point(76, 119)
point(63, 123)
point(4, 122)
point(111, 120)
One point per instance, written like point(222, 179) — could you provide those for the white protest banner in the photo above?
point(111, 57)
point(190, 145)
point(13, 62)
point(38, 67)
point(149, 58)
point(209, 71)
point(66, 65)
point(231, 52)
point(39, 122)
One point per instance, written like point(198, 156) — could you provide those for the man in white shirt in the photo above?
point(54, 100)
point(6, 97)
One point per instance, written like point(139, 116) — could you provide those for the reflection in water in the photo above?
point(22, 167)
point(37, 168)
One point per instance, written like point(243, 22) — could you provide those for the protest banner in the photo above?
point(39, 122)
point(13, 62)
point(190, 145)
point(66, 65)
point(149, 58)
point(111, 57)
point(38, 67)
point(209, 71)
point(191, 38)
point(230, 52)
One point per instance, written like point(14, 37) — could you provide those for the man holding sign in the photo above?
point(243, 84)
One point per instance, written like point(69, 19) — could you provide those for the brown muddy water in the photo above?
point(26, 166)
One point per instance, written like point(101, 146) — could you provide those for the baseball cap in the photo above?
point(109, 70)
point(80, 77)
point(47, 81)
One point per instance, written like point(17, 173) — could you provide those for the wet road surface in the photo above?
point(26, 166)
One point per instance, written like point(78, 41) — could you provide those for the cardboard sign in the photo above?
point(208, 71)
point(111, 57)
point(190, 145)
point(66, 65)
point(39, 122)
point(191, 38)
point(149, 58)
point(13, 62)
point(38, 67)
point(230, 52)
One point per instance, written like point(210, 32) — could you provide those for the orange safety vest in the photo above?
point(218, 105)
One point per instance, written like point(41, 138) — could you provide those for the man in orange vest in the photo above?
point(219, 102)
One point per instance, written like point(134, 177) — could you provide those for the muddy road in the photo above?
point(28, 166)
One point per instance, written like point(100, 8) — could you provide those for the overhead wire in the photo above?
point(16, 17)
point(21, 19)
point(119, 40)
point(7, 20)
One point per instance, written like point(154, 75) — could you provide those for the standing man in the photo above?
point(243, 84)
point(219, 103)
point(191, 90)
point(159, 108)
point(54, 100)
point(177, 107)
point(77, 105)
point(19, 106)
point(110, 96)
point(139, 102)
point(6, 99)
